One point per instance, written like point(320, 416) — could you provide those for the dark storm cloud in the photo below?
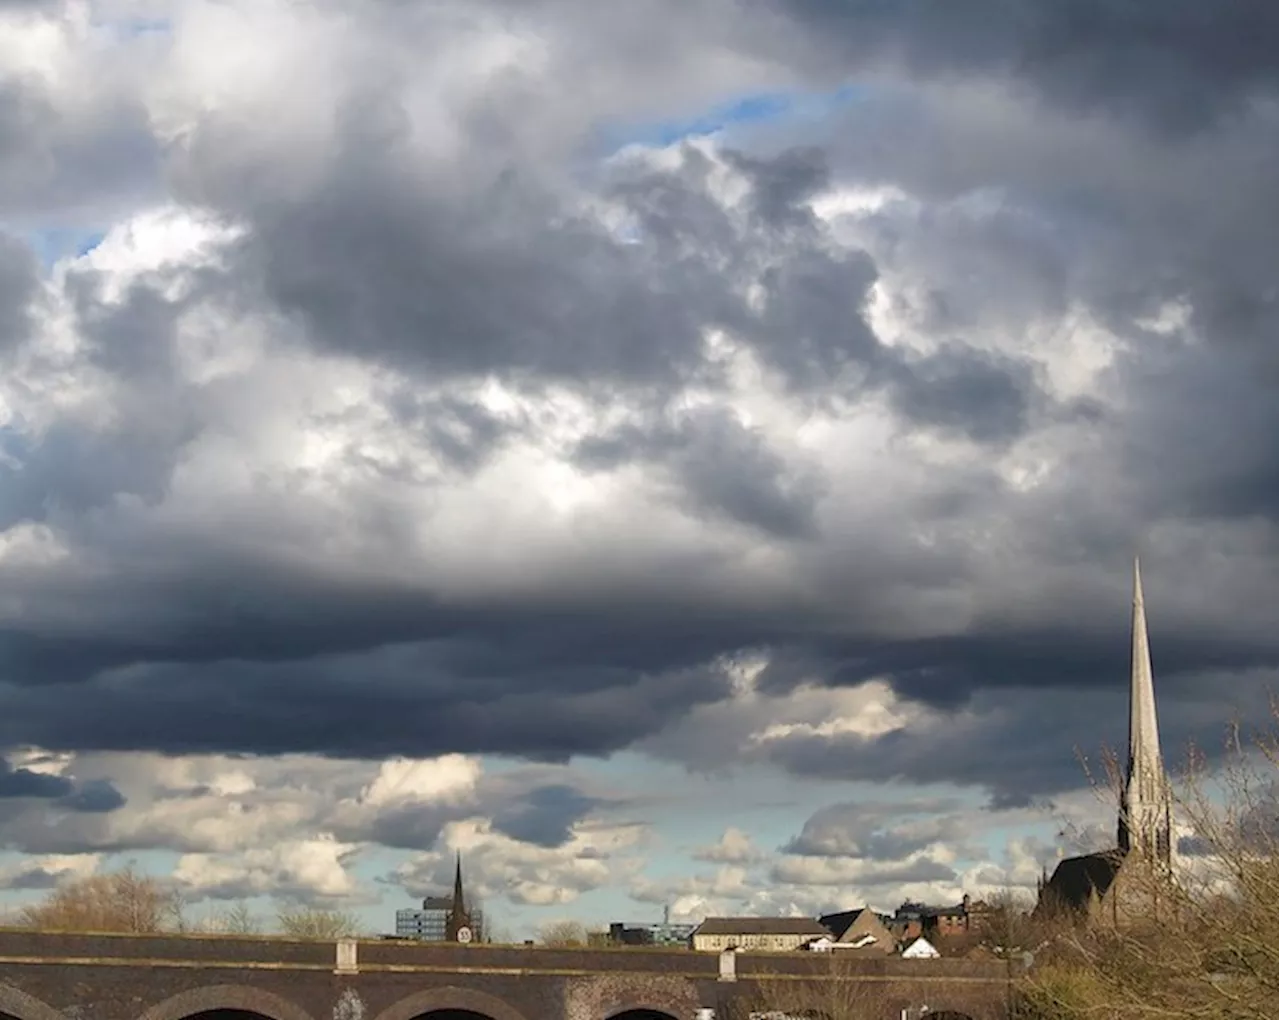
point(74, 468)
point(1219, 463)
point(463, 433)
point(517, 804)
point(25, 783)
point(548, 687)
point(981, 395)
point(57, 165)
point(544, 816)
point(468, 287)
point(223, 622)
point(524, 706)
point(506, 282)
point(131, 338)
point(783, 187)
point(719, 466)
point(1026, 746)
point(812, 326)
point(1177, 64)
point(211, 638)
point(412, 826)
point(97, 796)
point(18, 288)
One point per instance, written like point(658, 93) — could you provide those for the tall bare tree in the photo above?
point(563, 934)
point(236, 919)
point(239, 919)
point(304, 923)
point(123, 901)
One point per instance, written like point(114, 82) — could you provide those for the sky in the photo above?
point(677, 454)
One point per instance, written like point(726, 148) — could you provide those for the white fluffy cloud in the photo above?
point(315, 869)
point(496, 865)
point(733, 847)
point(298, 826)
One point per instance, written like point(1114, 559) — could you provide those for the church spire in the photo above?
point(458, 925)
point(1144, 805)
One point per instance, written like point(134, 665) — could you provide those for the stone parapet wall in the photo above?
point(79, 976)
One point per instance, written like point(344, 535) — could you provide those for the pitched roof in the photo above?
point(760, 926)
point(850, 925)
point(840, 922)
point(1075, 878)
point(921, 947)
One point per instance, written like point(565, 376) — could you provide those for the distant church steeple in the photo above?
point(458, 927)
point(1145, 803)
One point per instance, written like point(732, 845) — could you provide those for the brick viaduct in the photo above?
point(65, 976)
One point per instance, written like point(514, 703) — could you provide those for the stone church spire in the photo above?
point(458, 924)
point(1144, 804)
point(459, 902)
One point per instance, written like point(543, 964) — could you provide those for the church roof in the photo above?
point(1076, 878)
point(840, 922)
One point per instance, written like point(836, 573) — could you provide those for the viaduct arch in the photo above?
point(241, 997)
point(450, 997)
point(22, 1006)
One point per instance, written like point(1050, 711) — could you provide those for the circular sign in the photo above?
point(464, 934)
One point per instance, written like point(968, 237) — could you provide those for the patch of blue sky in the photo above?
point(132, 27)
point(148, 862)
point(501, 765)
point(145, 26)
point(52, 244)
point(747, 110)
point(757, 109)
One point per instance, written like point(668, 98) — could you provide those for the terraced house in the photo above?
point(767, 934)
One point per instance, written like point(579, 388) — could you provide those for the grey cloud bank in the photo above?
point(1055, 346)
point(1174, 66)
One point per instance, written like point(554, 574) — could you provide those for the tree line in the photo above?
point(131, 902)
point(128, 901)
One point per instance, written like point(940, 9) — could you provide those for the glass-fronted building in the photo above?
point(428, 923)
